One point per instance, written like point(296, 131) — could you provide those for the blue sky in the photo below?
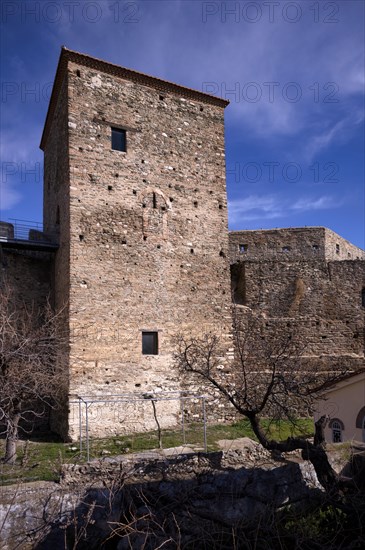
point(293, 71)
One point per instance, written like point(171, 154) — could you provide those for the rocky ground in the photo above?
point(168, 499)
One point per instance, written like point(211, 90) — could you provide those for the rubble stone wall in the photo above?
point(143, 233)
point(289, 244)
point(28, 273)
point(320, 299)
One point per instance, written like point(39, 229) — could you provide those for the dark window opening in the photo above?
point(238, 283)
point(154, 201)
point(363, 297)
point(150, 343)
point(81, 237)
point(315, 247)
point(337, 248)
point(161, 97)
point(78, 72)
point(119, 140)
point(243, 248)
point(110, 188)
point(286, 249)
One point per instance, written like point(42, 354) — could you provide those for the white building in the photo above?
point(344, 403)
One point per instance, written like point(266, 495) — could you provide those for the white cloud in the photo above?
point(322, 203)
point(257, 207)
point(339, 132)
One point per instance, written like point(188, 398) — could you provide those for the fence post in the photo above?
point(80, 424)
point(205, 425)
point(182, 418)
point(87, 431)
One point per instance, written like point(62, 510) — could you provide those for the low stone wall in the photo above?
point(153, 495)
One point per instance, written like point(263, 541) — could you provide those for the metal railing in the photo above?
point(24, 230)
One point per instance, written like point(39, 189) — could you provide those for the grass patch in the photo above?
point(41, 460)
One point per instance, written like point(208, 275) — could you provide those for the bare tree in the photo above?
point(31, 377)
point(270, 377)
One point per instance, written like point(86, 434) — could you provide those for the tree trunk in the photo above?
point(326, 475)
point(11, 438)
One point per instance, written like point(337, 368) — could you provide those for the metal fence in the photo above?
point(85, 402)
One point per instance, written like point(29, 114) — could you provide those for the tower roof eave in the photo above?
point(122, 72)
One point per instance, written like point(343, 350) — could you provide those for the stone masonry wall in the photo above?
point(146, 243)
point(56, 221)
point(320, 299)
point(28, 273)
point(310, 243)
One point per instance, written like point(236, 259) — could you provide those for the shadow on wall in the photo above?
point(238, 283)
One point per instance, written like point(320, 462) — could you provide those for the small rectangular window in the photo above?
point(119, 139)
point(243, 248)
point(337, 248)
point(286, 249)
point(150, 343)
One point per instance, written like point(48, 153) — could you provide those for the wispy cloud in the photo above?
point(257, 207)
point(337, 132)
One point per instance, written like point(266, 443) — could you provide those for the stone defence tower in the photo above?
point(135, 193)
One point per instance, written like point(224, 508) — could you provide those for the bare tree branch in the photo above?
point(270, 377)
point(32, 378)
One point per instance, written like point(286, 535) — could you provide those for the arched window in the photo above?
point(337, 428)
